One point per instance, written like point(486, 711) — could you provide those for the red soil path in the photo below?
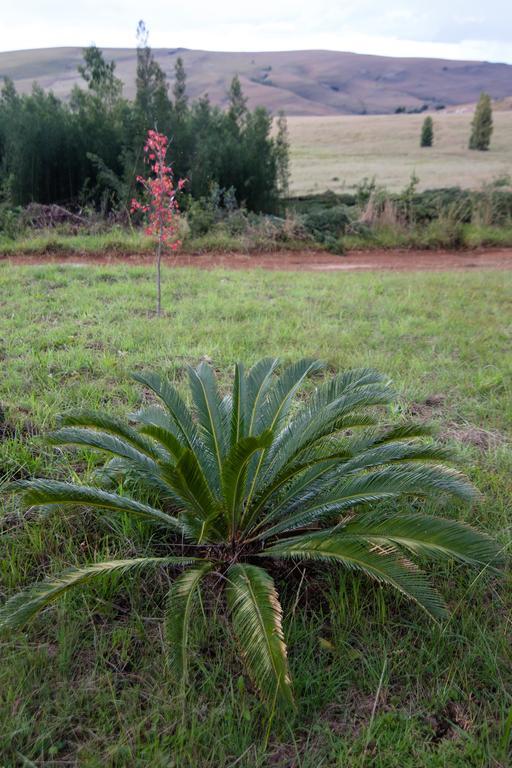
point(310, 261)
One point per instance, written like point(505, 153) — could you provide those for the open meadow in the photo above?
point(339, 152)
point(378, 684)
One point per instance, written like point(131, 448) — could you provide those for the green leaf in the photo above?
point(165, 437)
point(187, 480)
point(234, 473)
point(210, 413)
point(276, 406)
point(113, 426)
point(238, 405)
point(22, 607)
point(259, 379)
point(380, 563)
point(423, 535)
point(101, 441)
point(175, 405)
point(180, 604)
point(256, 615)
point(390, 482)
point(47, 492)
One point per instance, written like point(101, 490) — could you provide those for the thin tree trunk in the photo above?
point(158, 280)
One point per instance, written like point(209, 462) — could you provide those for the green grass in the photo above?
point(378, 685)
point(123, 242)
point(436, 234)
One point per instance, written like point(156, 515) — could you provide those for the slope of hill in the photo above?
point(299, 82)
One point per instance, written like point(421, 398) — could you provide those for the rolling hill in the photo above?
point(298, 82)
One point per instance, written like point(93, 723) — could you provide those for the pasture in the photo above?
point(339, 152)
point(378, 683)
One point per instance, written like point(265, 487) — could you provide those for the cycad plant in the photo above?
point(240, 481)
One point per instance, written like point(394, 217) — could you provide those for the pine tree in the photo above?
point(481, 125)
point(282, 152)
point(427, 132)
point(237, 101)
point(179, 90)
point(100, 77)
point(151, 99)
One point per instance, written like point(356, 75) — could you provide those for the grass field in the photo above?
point(378, 684)
point(338, 152)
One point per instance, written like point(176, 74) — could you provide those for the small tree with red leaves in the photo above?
point(161, 206)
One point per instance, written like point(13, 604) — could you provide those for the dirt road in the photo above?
point(310, 261)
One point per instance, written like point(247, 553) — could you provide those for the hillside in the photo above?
point(299, 82)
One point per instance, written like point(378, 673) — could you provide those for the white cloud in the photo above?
point(444, 28)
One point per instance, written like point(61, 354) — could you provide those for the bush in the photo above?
point(328, 224)
point(11, 221)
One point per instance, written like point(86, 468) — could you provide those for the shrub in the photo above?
point(234, 484)
point(328, 224)
point(11, 221)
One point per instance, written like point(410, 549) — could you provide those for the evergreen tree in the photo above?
point(100, 76)
point(179, 90)
point(89, 150)
point(481, 125)
point(151, 99)
point(237, 102)
point(282, 152)
point(427, 132)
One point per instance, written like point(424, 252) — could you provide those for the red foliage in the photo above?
point(161, 207)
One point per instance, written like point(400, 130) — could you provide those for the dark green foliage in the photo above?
point(282, 154)
point(427, 132)
point(230, 484)
point(481, 125)
point(152, 105)
point(330, 222)
point(326, 226)
point(90, 150)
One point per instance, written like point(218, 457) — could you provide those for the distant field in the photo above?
point(338, 152)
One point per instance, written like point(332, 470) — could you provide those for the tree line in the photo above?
point(88, 151)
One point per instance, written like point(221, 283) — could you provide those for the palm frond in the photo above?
point(312, 425)
point(113, 426)
point(37, 493)
point(234, 472)
point(166, 438)
point(210, 413)
point(390, 482)
point(156, 416)
point(259, 379)
point(346, 381)
point(380, 563)
point(175, 404)
point(275, 407)
point(433, 537)
point(22, 607)
point(180, 604)
point(101, 441)
point(256, 615)
point(238, 405)
point(187, 480)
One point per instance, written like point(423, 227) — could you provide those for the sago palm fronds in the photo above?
point(240, 480)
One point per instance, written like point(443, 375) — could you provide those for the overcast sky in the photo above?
point(471, 29)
